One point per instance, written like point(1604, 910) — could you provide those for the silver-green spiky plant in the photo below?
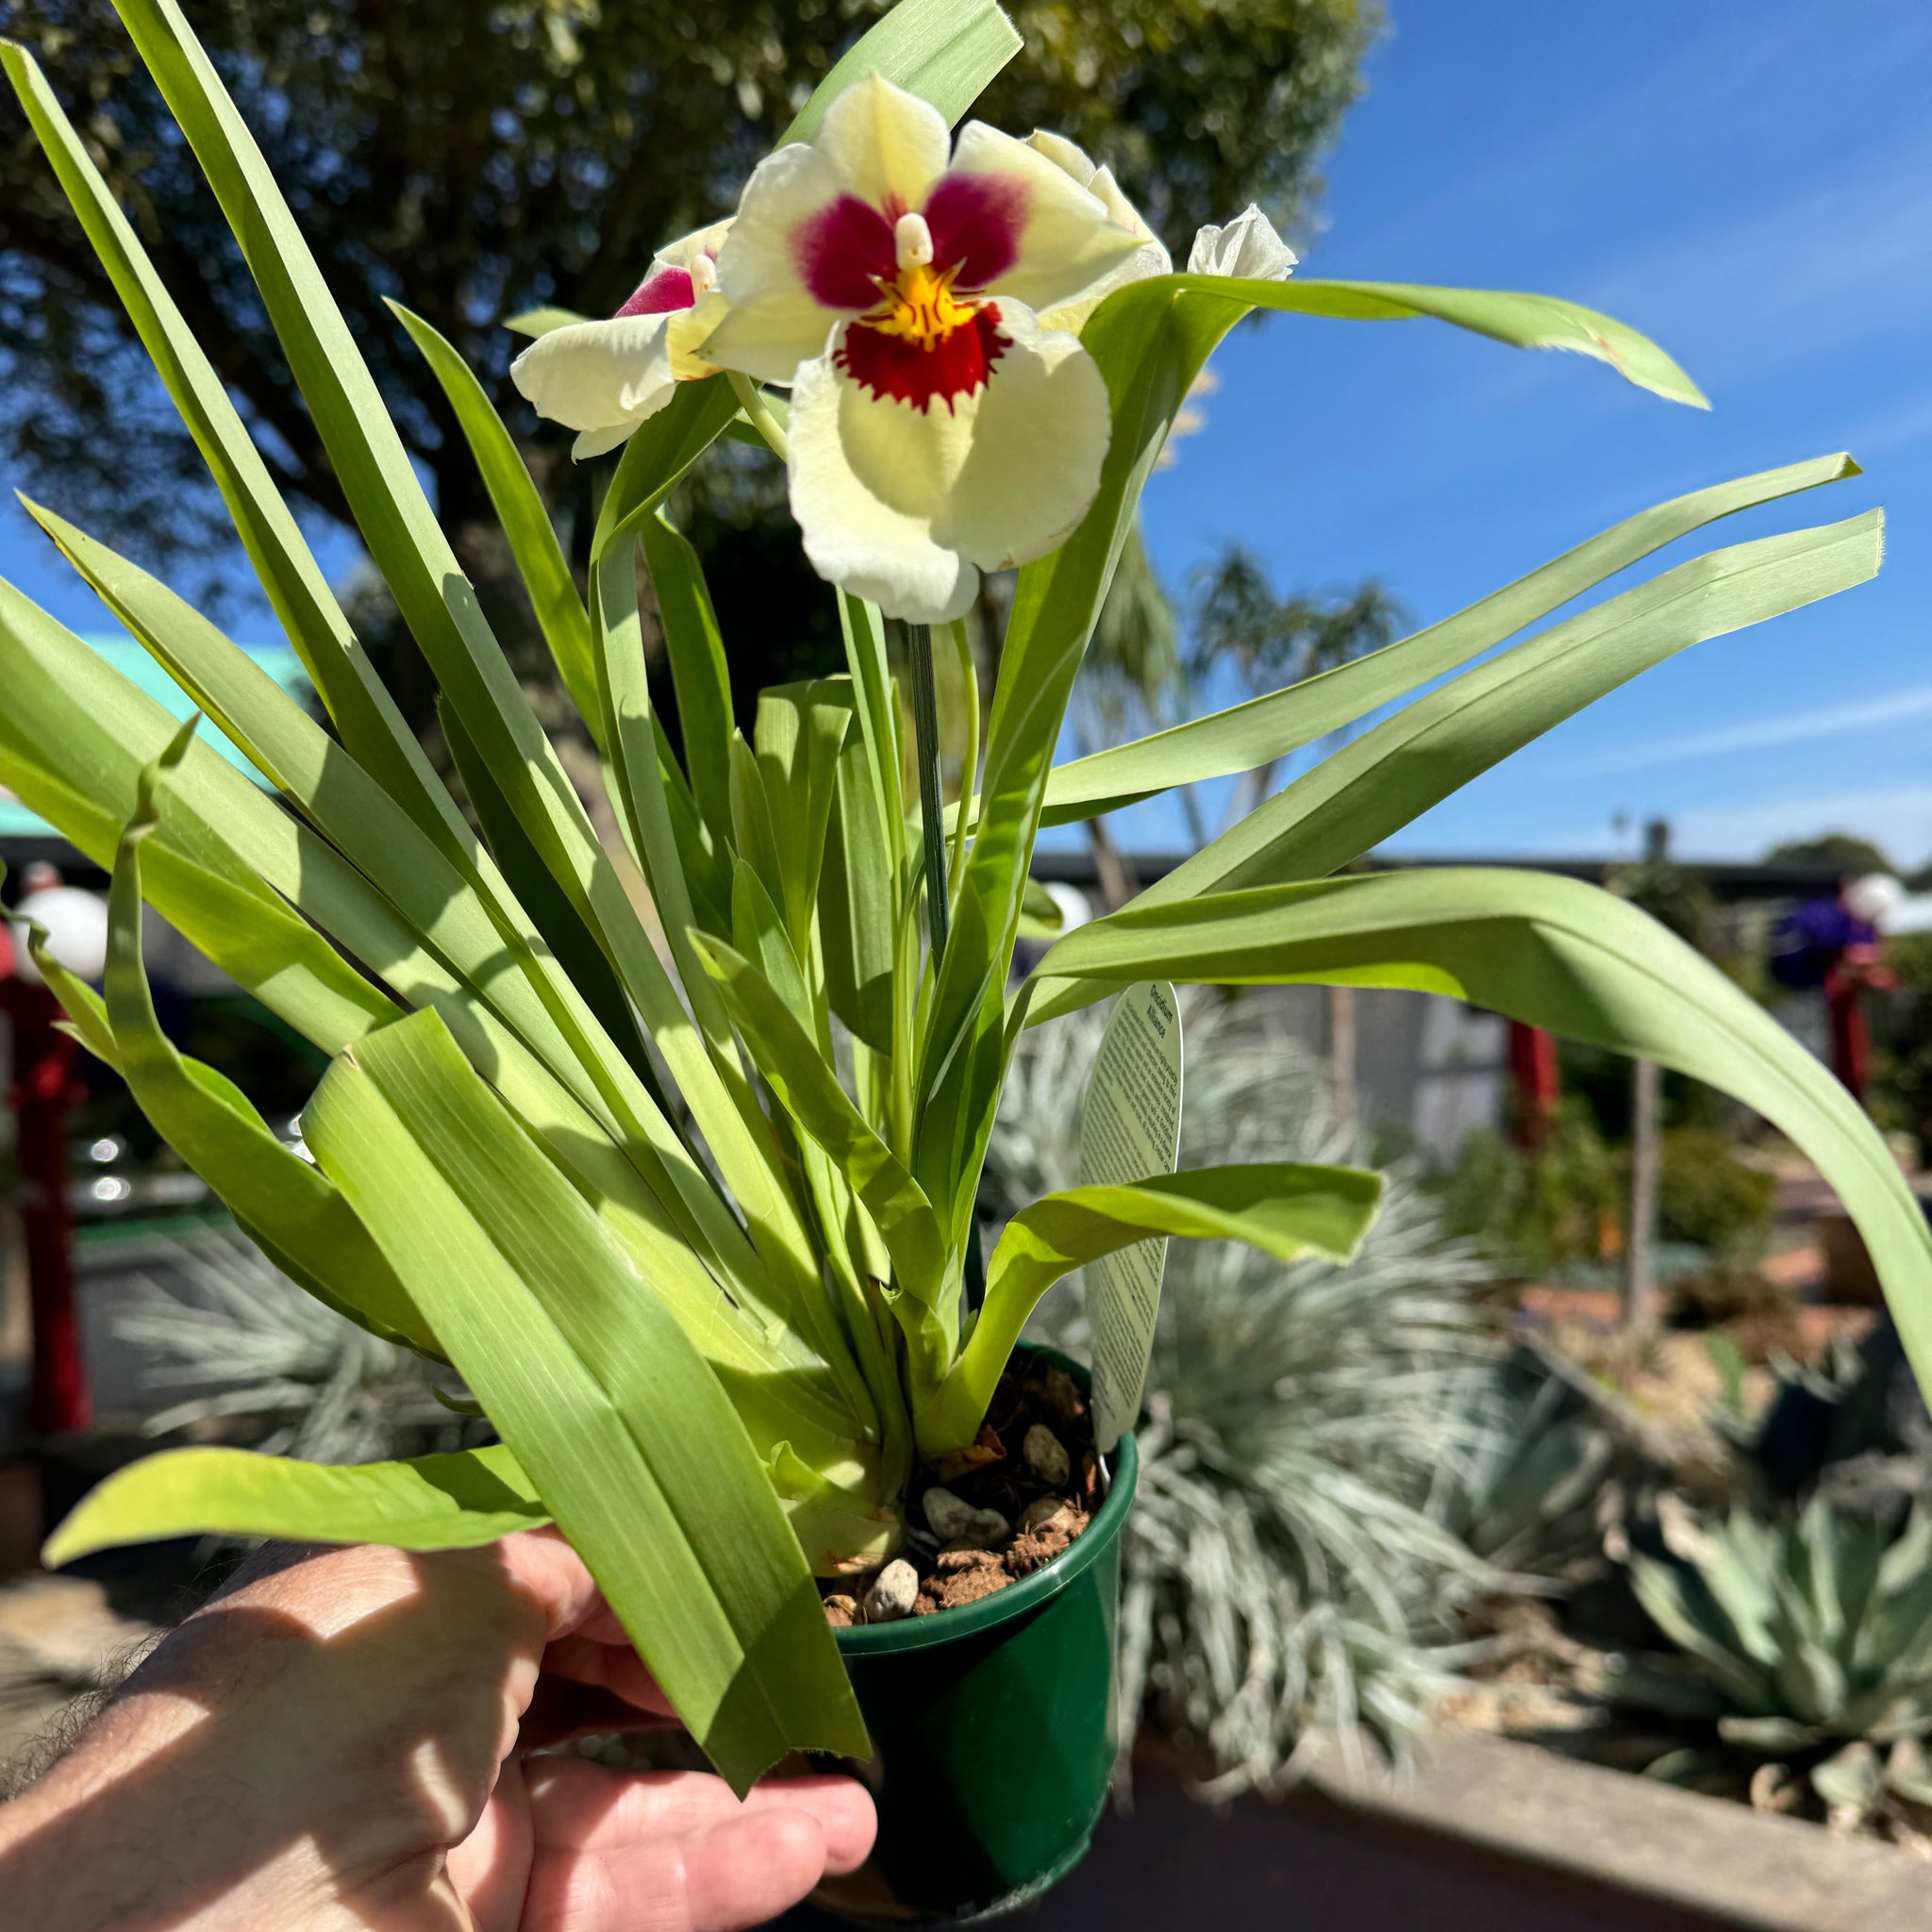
point(1285, 1575)
point(217, 1318)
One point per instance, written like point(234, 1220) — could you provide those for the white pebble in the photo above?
point(893, 1592)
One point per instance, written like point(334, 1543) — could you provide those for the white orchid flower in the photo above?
point(1247, 247)
point(1150, 258)
point(602, 378)
point(936, 428)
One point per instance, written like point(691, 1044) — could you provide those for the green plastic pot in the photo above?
point(994, 1733)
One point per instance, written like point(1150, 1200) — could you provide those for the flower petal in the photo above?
point(815, 223)
point(1064, 239)
point(599, 376)
point(885, 146)
point(855, 535)
point(1247, 247)
point(1150, 258)
point(1039, 436)
point(907, 505)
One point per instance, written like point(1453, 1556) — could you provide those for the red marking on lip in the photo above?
point(843, 251)
point(975, 222)
point(661, 292)
point(953, 365)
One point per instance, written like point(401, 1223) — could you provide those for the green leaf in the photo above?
point(855, 909)
point(810, 1093)
point(396, 871)
point(74, 735)
point(947, 51)
point(628, 1437)
point(1553, 953)
point(1524, 321)
point(559, 612)
point(307, 1226)
point(362, 709)
point(1371, 789)
point(540, 322)
point(434, 1503)
point(662, 449)
point(800, 731)
point(1283, 1209)
point(699, 673)
point(1150, 340)
point(1249, 735)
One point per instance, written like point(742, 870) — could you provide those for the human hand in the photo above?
point(338, 1745)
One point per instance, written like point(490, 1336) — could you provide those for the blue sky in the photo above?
point(1748, 181)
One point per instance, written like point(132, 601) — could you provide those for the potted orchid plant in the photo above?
point(672, 1151)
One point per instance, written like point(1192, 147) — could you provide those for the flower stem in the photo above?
point(969, 771)
point(926, 729)
point(751, 399)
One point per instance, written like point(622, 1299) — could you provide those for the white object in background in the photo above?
point(1075, 907)
point(1878, 899)
point(75, 924)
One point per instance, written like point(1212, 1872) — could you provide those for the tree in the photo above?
point(472, 163)
point(1844, 852)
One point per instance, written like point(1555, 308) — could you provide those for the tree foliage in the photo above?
point(475, 161)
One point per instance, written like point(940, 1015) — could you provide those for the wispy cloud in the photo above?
point(1756, 734)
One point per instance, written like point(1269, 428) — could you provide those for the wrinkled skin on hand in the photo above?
point(341, 1742)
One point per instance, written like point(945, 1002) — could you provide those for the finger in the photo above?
point(607, 1667)
point(490, 1869)
point(719, 1878)
point(576, 1806)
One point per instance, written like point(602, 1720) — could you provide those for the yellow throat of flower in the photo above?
point(920, 305)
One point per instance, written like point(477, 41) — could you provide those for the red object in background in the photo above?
point(1533, 1072)
point(1851, 1038)
point(44, 1092)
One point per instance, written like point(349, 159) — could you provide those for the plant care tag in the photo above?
point(1130, 1128)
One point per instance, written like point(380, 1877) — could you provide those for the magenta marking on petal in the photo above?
point(844, 251)
point(975, 222)
point(660, 292)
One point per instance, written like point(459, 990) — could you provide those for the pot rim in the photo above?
point(1029, 1592)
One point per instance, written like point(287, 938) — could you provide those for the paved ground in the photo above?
point(59, 1638)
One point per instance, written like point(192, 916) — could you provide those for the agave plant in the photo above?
point(695, 1228)
point(1806, 1643)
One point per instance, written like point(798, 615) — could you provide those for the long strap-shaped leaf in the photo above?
point(947, 51)
point(1371, 789)
point(1248, 735)
point(1150, 340)
point(540, 559)
point(808, 1090)
point(1283, 1209)
point(1557, 954)
point(224, 868)
point(435, 598)
point(628, 1437)
point(291, 1208)
point(299, 594)
point(434, 1503)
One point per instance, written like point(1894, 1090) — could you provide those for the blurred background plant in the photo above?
point(1803, 1660)
point(480, 163)
point(1287, 1575)
point(253, 1358)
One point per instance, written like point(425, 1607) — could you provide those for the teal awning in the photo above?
point(133, 663)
